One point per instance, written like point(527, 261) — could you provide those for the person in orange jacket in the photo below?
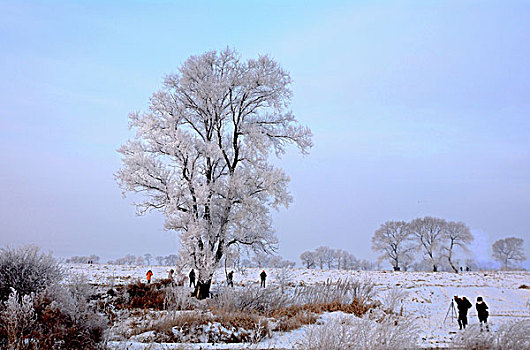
point(149, 274)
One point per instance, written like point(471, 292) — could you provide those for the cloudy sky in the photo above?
point(417, 108)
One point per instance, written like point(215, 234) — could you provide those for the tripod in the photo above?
point(451, 310)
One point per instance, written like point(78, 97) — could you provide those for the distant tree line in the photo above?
point(433, 243)
point(83, 259)
point(263, 260)
point(436, 239)
point(146, 259)
point(327, 258)
point(129, 259)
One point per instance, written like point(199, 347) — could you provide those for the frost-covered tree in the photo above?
point(393, 240)
point(344, 260)
point(455, 234)
point(428, 232)
point(148, 258)
point(140, 261)
point(308, 259)
point(507, 249)
point(201, 155)
point(325, 256)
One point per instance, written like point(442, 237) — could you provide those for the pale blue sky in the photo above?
point(417, 108)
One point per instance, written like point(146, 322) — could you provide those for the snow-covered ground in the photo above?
point(428, 296)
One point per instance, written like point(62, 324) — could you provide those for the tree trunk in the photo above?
point(396, 268)
point(452, 265)
point(202, 289)
point(434, 268)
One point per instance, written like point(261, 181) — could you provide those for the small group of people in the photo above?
point(149, 275)
point(463, 305)
point(229, 277)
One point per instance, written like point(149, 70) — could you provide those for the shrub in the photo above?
point(394, 299)
point(16, 321)
point(344, 292)
point(49, 315)
point(178, 298)
point(162, 295)
point(200, 327)
point(64, 318)
point(27, 270)
point(361, 334)
point(513, 335)
point(250, 299)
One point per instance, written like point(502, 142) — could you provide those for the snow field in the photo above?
point(424, 296)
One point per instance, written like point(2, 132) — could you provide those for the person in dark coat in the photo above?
point(230, 279)
point(482, 313)
point(462, 304)
point(192, 278)
point(263, 276)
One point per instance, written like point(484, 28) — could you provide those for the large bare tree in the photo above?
point(507, 249)
point(456, 234)
point(393, 239)
point(429, 233)
point(201, 155)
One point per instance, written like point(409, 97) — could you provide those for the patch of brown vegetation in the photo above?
point(357, 308)
point(142, 295)
point(524, 286)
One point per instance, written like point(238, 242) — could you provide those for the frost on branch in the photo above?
point(200, 154)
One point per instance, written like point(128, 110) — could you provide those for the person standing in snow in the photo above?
point(482, 313)
point(462, 305)
point(149, 274)
point(192, 278)
point(230, 279)
point(263, 276)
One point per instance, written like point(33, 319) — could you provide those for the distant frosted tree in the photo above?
point(325, 257)
point(170, 260)
point(455, 234)
point(279, 262)
point(507, 249)
point(148, 258)
point(428, 232)
point(393, 240)
point(344, 260)
point(308, 259)
point(200, 155)
point(140, 261)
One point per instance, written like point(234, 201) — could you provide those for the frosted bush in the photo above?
point(41, 313)
point(361, 334)
point(27, 270)
point(392, 301)
point(67, 318)
point(250, 299)
point(341, 291)
point(284, 277)
point(178, 298)
point(513, 335)
point(17, 319)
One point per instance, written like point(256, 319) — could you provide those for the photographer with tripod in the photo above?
point(462, 304)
